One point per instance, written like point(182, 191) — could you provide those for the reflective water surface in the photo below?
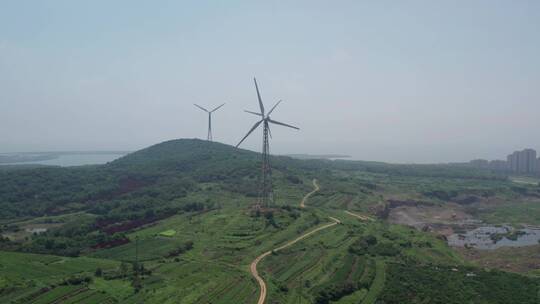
point(492, 237)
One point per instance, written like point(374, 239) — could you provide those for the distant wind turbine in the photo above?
point(267, 195)
point(209, 137)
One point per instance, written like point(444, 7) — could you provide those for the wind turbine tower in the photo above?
point(209, 137)
point(266, 193)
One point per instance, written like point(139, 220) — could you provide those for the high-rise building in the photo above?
point(529, 160)
point(513, 162)
point(522, 161)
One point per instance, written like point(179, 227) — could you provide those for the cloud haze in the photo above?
point(422, 81)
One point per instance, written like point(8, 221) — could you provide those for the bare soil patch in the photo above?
point(515, 259)
point(440, 219)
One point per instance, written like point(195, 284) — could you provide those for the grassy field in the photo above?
point(457, 284)
point(322, 267)
point(168, 233)
point(318, 269)
point(25, 277)
point(525, 180)
point(518, 212)
point(377, 285)
point(514, 259)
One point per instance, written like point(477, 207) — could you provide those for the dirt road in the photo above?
point(253, 266)
point(317, 188)
point(360, 216)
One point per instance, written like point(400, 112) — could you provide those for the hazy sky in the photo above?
point(399, 81)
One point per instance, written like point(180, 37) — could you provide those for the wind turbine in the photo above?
point(267, 195)
point(209, 137)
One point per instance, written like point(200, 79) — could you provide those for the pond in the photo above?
point(493, 237)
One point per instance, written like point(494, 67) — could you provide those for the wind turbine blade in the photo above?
point(217, 108)
point(259, 96)
point(282, 124)
point(254, 113)
point(270, 112)
point(250, 131)
point(269, 132)
point(198, 106)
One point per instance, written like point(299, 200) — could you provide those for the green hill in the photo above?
point(182, 155)
point(140, 188)
point(172, 164)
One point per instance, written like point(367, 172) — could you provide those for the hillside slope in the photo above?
point(176, 163)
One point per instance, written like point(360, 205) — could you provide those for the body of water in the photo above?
point(75, 159)
point(491, 237)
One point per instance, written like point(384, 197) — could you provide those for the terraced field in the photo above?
point(30, 277)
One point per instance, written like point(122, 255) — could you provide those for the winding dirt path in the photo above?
point(317, 188)
point(253, 266)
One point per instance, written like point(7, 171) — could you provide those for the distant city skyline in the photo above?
point(521, 161)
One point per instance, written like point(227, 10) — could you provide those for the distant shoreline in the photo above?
point(18, 158)
point(68, 152)
point(318, 156)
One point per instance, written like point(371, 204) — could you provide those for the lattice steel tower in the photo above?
point(266, 196)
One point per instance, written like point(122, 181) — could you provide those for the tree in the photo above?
point(123, 269)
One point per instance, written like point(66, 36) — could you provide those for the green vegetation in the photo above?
point(517, 212)
point(378, 283)
point(525, 180)
point(168, 233)
point(438, 284)
point(174, 223)
point(43, 278)
point(336, 265)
